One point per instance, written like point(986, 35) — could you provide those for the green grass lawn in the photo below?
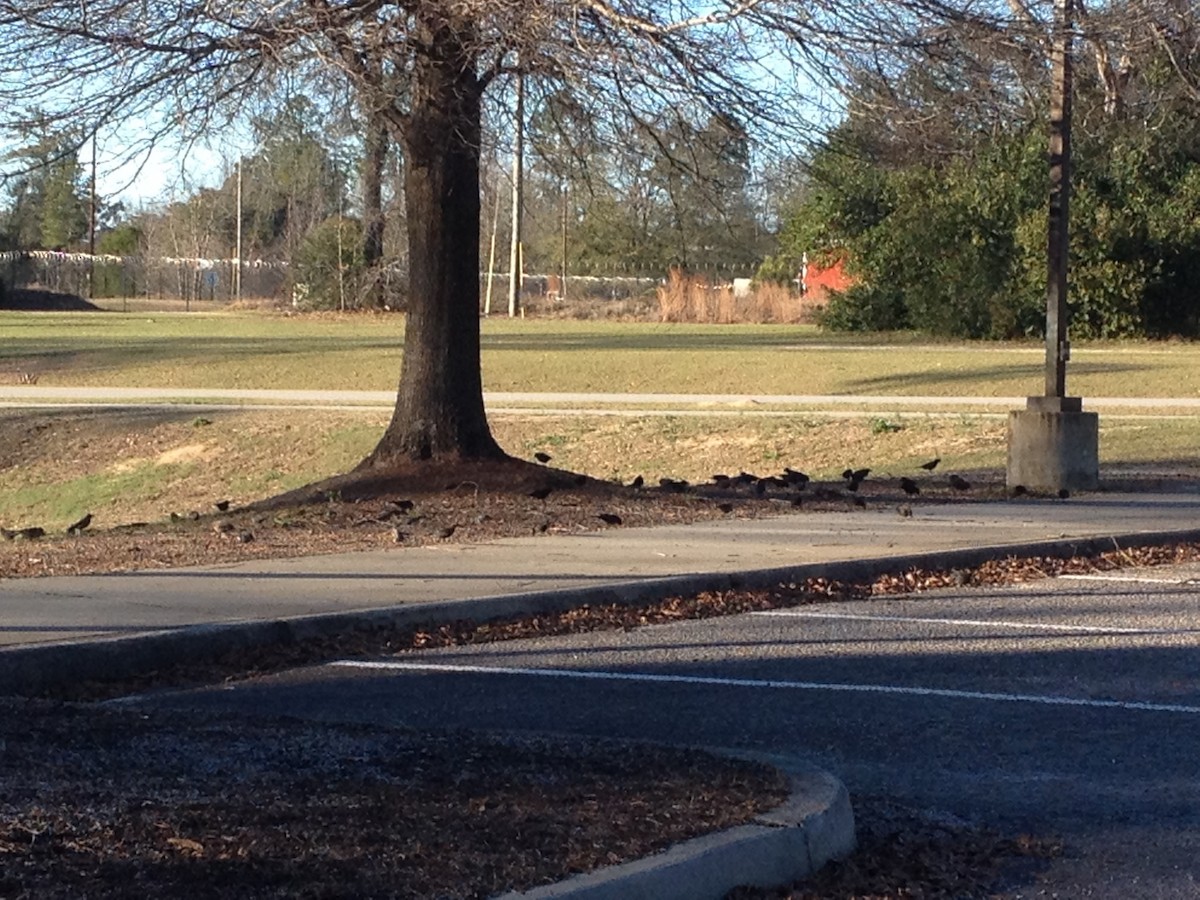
point(256, 350)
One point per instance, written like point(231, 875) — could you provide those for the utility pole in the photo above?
point(562, 293)
point(92, 226)
point(237, 262)
point(515, 268)
point(1059, 231)
point(491, 272)
point(1053, 445)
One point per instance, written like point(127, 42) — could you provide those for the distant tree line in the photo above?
point(933, 189)
point(621, 198)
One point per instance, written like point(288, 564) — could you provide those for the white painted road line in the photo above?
point(975, 623)
point(452, 668)
point(1132, 579)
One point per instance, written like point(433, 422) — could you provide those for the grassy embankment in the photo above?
point(128, 466)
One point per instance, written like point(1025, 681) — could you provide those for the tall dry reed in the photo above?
point(690, 298)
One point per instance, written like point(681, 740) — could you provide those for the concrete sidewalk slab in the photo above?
point(95, 606)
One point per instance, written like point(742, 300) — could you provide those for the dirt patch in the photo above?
point(187, 453)
point(41, 300)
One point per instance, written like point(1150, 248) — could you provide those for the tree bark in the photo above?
point(439, 408)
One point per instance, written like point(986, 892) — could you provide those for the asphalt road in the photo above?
point(1066, 707)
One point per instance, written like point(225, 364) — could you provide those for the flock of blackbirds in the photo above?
point(790, 484)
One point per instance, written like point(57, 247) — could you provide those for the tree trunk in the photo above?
point(439, 409)
point(374, 159)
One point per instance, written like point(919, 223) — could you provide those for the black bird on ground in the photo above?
point(725, 507)
point(793, 477)
point(221, 505)
point(1019, 490)
point(931, 465)
point(909, 486)
point(1063, 493)
point(959, 483)
point(637, 482)
point(609, 518)
point(25, 534)
point(83, 523)
point(541, 493)
point(542, 457)
point(855, 477)
point(393, 508)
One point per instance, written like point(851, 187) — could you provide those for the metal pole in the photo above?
point(514, 256)
point(1058, 243)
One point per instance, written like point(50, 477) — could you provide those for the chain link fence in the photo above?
point(161, 278)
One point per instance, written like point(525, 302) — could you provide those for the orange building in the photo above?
point(817, 281)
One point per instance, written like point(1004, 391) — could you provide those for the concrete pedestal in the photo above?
point(1053, 444)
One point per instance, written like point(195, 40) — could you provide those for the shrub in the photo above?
point(328, 268)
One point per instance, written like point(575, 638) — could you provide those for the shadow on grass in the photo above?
point(931, 378)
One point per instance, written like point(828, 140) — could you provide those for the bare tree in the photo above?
point(425, 66)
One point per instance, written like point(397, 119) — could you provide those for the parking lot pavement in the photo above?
point(1068, 706)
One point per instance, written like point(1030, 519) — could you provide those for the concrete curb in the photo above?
point(41, 667)
point(813, 826)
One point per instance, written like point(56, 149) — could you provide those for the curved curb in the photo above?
point(791, 842)
point(34, 668)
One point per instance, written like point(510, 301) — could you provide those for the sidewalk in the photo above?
point(196, 610)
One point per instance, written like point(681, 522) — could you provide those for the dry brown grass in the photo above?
point(693, 298)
